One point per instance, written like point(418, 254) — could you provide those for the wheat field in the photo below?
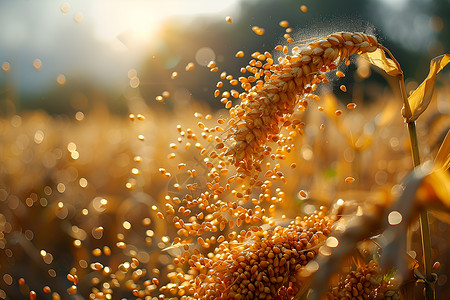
point(315, 170)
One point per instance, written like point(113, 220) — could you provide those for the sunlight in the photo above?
point(118, 18)
point(140, 23)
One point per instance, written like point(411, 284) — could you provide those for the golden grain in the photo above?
point(96, 266)
point(240, 54)
point(72, 290)
point(351, 105)
point(190, 66)
point(360, 284)
point(259, 269)
point(32, 295)
point(211, 64)
point(340, 74)
point(436, 265)
point(258, 30)
point(106, 250)
point(349, 179)
point(284, 23)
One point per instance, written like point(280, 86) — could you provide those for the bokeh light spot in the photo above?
point(65, 7)
point(204, 55)
point(61, 79)
point(395, 218)
point(332, 242)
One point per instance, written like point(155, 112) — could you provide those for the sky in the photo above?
point(94, 40)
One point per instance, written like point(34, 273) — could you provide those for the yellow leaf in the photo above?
point(379, 59)
point(435, 190)
point(443, 157)
point(421, 97)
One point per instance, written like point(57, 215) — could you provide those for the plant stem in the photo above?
point(414, 143)
point(408, 113)
point(424, 224)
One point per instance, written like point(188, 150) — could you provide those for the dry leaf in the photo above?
point(379, 59)
point(443, 157)
point(421, 97)
point(435, 190)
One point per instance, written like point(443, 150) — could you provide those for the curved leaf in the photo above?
point(443, 157)
point(435, 191)
point(379, 59)
point(421, 97)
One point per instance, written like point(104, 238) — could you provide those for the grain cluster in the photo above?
point(363, 283)
point(266, 265)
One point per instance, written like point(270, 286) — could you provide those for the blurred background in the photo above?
point(73, 164)
point(62, 56)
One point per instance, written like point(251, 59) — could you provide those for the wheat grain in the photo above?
point(265, 268)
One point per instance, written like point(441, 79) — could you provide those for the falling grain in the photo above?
point(351, 106)
point(284, 23)
point(190, 66)
point(349, 179)
point(258, 30)
point(340, 74)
